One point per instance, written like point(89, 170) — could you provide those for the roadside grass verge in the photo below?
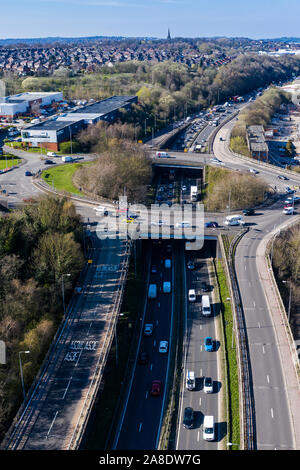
point(9, 161)
point(230, 351)
point(61, 177)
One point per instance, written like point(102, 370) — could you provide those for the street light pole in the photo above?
point(290, 298)
point(21, 371)
point(63, 290)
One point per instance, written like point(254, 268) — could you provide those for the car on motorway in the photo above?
point(48, 162)
point(248, 211)
point(208, 428)
point(208, 385)
point(208, 343)
point(190, 265)
point(211, 224)
point(184, 187)
point(156, 388)
point(159, 223)
point(215, 160)
point(289, 190)
point(163, 347)
point(52, 154)
point(282, 177)
point(143, 358)
point(28, 173)
point(188, 418)
point(148, 329)
point(153, 269)
point(253, 170)
point(168, 263)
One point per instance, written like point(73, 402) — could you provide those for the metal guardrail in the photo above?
point(245, 370)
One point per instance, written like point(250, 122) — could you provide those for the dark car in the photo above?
point(156, 388)
point(211, 224)
point(48, 162)
point(28, 173)
point(282, 177)
point(143, 358)
point(204, 286)
point(248, 211)
point(188, 418)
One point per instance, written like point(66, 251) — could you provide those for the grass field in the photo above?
point(60, 177)
point(8, 162)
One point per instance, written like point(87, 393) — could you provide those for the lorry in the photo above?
point(190, 382)
point(194, 193)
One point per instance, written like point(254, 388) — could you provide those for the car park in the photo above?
point(163, 347)
point(208, 343)
point(208, 385)
point(188, 418)
point(156, 388)
point(148, 329)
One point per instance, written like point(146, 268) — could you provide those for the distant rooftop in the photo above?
point(105, 106)
point(51, 125)
point(26, 96)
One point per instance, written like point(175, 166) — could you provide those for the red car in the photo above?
point(156, 388)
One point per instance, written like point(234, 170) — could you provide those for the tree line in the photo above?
point(38, 244)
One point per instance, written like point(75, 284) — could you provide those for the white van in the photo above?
point(51, 154)
point(162, 155)
point(234, 219)
point(206, 310)
point(152, 291)
point(190, 382)
point(192, 295)
point(208, 428)
point(67, 159)
point(167, 263)
point(166, 287)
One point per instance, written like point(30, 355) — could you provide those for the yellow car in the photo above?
point(128, 221)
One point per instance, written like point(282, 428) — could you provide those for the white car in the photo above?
point(253, 170)
point(160, 223)
point(208, 385)
point(183, 188)
point(101, 209)
point(183, 224)
point(163, 347)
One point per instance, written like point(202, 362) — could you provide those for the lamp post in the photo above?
point(63, 290)
point(21, 371)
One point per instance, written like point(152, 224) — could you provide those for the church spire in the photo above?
point(169, 35)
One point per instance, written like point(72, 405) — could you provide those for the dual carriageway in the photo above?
point(140, 427)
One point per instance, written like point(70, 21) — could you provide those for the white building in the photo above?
point(27, 102)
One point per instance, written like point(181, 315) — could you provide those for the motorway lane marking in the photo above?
point(263, 349)
point(67, 387)
point(146, 394)
point(268, 379)
point(51, 425)
point(140, 427)
point(258, 325)
point(254, 303)
point(200, 372)
point(272, 412)
point(198, 436)
point(151, 365)
point(200, 399)
point(154, 343)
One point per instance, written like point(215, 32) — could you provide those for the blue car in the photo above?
point(211, 224)
point(208, 344)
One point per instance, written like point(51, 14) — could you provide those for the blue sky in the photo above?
point(188, 18)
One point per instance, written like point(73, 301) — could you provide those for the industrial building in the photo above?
point(257, 144)
point(27, 103)
point(51, 133)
